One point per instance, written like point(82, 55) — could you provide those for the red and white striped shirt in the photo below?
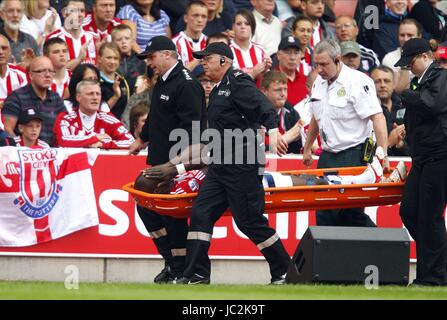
point(317, 35)
point(245, 60)
point(40, 144)
point(89, 24)
point(71, 131)
point(74, 45)
point(186, 45)
point(60, 88)
point(15, 77)
point(306, 63)
point(188, 182)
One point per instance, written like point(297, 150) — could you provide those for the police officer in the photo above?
point(424, 200)
point(345, 111)
point(236, 107)
point(178, 100)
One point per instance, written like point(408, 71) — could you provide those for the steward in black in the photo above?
point(178, 100)
point(176, 103)
point(236, 109)
point(425, 196)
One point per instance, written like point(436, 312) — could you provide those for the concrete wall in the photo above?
point(13, 268)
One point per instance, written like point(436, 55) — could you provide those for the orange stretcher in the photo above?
point(289, 199)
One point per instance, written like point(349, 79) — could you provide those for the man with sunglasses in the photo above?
point(37, 95)
point(425, 197)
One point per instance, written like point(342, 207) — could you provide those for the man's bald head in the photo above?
point(41, 72)
point(5, 50)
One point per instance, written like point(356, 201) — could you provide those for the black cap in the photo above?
point(219, 48)
point(412, 48)
point(28, 115)
point(289, 42)
point(157, 43)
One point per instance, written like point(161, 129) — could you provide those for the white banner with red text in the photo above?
point(121, 233)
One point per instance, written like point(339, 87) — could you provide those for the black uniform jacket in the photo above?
point(235, 104)
point(426, 115)
point(176, 103)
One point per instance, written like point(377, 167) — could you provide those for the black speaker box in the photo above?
point(349, 254)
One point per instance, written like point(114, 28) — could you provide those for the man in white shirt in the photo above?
point(268, 27)
point(345, 111)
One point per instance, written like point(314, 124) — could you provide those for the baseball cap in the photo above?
point(157, 43)
point(219, 48)
point(412, 48)
point(348, 47)
point(28, 115)
point(442, 52)
point(289, 42)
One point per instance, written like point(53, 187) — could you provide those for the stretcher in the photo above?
point(289, 199)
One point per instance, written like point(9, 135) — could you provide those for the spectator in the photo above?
point(220, 15)
point(143, 93)
point(350, 55)
point(442, 56)
point(36, 95)
point(205, 81)
point(314, 9)
point(56, 49)
point(23, 45)
point(30, 126)
point(102, 20)
point(249, 56)
point(146, 19)
point(393, 110)
point(81, 44)
point(296, 12)
point(302, 30)
point(274, 86)
point(86, 126)
point(268, 27)
point(137, 118)
point(385, 38)
point(222, 37)
point(114, 87)
point(289, 57)
point(39, 20)
point(130, 66)
point(11, 77)
point(346, 30)
point(408, 29)
point(192, 38)
point(85, 71)
point(432, 19)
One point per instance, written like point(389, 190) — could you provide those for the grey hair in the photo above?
point(330, 46)
point(87, 82)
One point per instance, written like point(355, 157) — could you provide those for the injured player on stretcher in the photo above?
point(172, 178)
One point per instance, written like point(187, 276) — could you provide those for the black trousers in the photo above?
point(240, 189)
point(352, 217)
point(169, 236)
point(422, 212)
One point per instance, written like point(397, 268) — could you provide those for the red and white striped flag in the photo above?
point(45, 194)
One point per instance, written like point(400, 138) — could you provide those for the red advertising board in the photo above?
point(122, 234)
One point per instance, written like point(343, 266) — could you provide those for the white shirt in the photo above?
point(36, 27)
point(167, 73)
point(343, 109)
point(391, 58)
point(268, 33)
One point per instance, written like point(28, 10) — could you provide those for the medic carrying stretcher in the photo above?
point(165, 191)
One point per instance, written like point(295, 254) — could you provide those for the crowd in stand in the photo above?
point(52, 52)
